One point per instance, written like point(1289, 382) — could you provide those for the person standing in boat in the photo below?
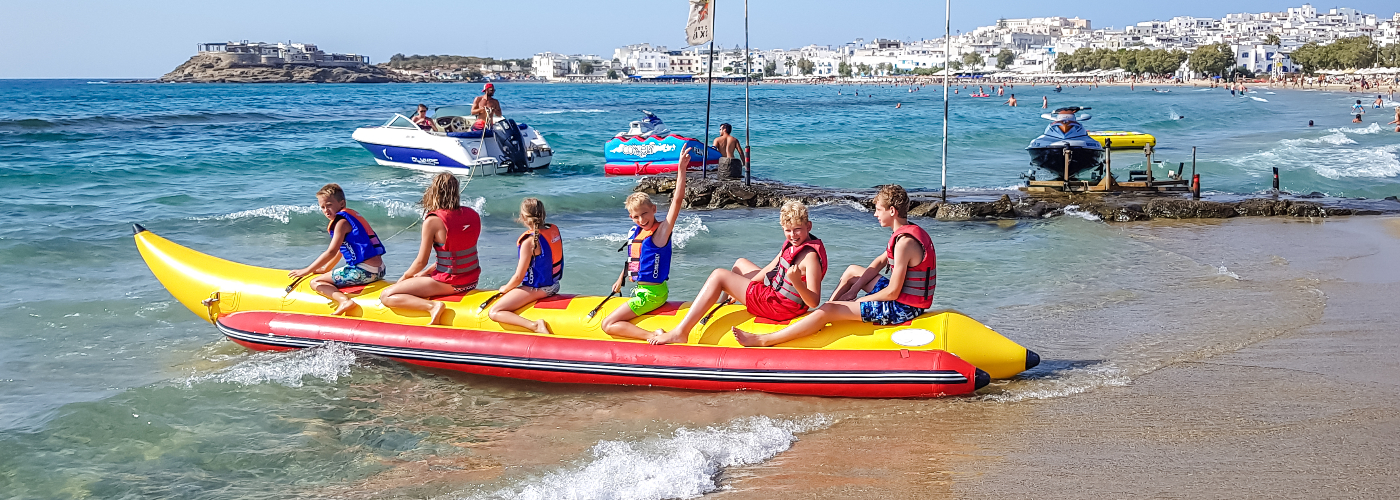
point(449, 238)
point(537, 275)
point(485, 106)
point(784, 289)
point(899, 298)
point(731, 153)
point(352, 238)
point(648, 258)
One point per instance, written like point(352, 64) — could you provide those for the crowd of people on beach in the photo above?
point(787, 288)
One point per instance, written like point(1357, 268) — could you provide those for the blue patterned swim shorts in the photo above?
point(887, 312)
point(357, 275)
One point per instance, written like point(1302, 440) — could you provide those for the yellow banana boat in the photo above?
point(1124, 139)
point(254, 306)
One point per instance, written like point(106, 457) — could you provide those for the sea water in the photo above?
point(108, 388)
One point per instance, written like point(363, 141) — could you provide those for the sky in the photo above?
point(145, 39)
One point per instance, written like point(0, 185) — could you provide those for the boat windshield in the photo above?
point(399, 121)
point(453, 111)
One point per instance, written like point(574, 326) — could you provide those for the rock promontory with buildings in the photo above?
point(257, 62)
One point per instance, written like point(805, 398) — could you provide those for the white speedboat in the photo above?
point(453, 145)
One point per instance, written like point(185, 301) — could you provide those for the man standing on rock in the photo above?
point(731, 165)
point(485, 105)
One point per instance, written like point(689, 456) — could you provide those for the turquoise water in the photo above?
point(109, 389)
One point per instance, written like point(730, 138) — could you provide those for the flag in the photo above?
point(700, 27)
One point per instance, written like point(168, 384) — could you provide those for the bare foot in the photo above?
point(542, 327)
point(662, 337)
point(345, 307)
point(435, 313)
point(747, 339)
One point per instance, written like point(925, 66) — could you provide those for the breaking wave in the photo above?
point(280, 213)
point(1066, 383)
point(686, 228)
point(1074, 211)
point(686, 464)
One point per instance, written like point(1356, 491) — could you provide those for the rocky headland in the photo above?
point(204, 68)
point(710, 193)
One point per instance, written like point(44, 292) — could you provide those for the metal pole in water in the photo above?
point(709, 90)
point(1275, 182)
point(748, 74)
point(947, 24)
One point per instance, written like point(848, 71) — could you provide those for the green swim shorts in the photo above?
point(645, 298)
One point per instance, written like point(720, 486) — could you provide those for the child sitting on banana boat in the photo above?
point(648, 258)
point(903, 296)
point(352, 238)
point(447, 262)
point(784, 289)
point(539, 269)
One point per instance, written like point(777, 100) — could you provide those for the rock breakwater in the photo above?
point(209, 69)
point(715, 194)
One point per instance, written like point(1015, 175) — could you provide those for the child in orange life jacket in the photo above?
point(780, 291)
point(352, 238)
point(537, 275)
point(901, 297)
point(648, 257)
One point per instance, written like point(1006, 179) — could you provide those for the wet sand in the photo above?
point(1305, 407)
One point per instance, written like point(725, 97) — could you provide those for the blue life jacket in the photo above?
point(646, 261)
point(547, 268)
point(361, 244)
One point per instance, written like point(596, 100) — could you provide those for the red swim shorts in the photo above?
point(765, 302)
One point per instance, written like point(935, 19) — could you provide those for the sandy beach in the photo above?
point(1302, 407)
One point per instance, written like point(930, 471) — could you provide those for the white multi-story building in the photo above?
point(277, 54)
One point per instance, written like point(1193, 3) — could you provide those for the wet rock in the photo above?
point(1306, 209)
point(1262, 207)
point(1392, 198)
point(954, 211)
point(924, 209)
point(1188, 209)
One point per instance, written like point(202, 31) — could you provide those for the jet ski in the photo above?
point(648, 147)
point(1065, 132)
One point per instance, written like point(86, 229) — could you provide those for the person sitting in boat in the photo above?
point(784, 289)
point(352, 238)
point(901, 297)
point(449, 236)
point(648, 258)
point(537, 275)
point(485, 106)
point(421, 119)
point(731, 153)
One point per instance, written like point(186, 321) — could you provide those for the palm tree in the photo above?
point(1272, 39)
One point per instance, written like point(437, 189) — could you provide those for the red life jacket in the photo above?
point(547, 268)
point(457, 264)
point(788, 258)
point(919, 280)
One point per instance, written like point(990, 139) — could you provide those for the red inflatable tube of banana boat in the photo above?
point(865, 374)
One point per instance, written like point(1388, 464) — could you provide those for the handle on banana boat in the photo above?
point(723, 303)
point(594, 312)
point(488, 302)
point(293, 286)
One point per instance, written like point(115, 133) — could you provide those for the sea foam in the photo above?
point(686, 228)
point(328, 362)
point(685, 464)
point(280, 213)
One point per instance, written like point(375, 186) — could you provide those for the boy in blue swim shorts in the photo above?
point(352, 238)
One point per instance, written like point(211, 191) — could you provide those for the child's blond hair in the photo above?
point(532, 213)
point(894, 196)
point(636, 200)
point(793, 214)
point(331, 192)
point(441, 194)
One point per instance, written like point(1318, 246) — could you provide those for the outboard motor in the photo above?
point(512, 145)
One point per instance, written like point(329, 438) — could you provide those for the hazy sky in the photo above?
point(145, 39)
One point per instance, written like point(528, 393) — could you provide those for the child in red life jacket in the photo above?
point(537, 275)
point(648, 258)
point(911, 260)
point(780, 291)
point(447, 263)
point(352, 238)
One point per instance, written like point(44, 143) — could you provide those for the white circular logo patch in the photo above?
point(912, 337)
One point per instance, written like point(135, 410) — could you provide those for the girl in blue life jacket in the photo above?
point(352, 238)
point(540, 267)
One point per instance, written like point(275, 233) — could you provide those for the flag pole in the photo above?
point(709, 91)
point(748, 74)
point(947, 26)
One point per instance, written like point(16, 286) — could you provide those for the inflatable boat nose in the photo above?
point(136, 229)
point(981, 379)
point(1032, 359)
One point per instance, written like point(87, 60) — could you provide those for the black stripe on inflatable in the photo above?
point(620, 369)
